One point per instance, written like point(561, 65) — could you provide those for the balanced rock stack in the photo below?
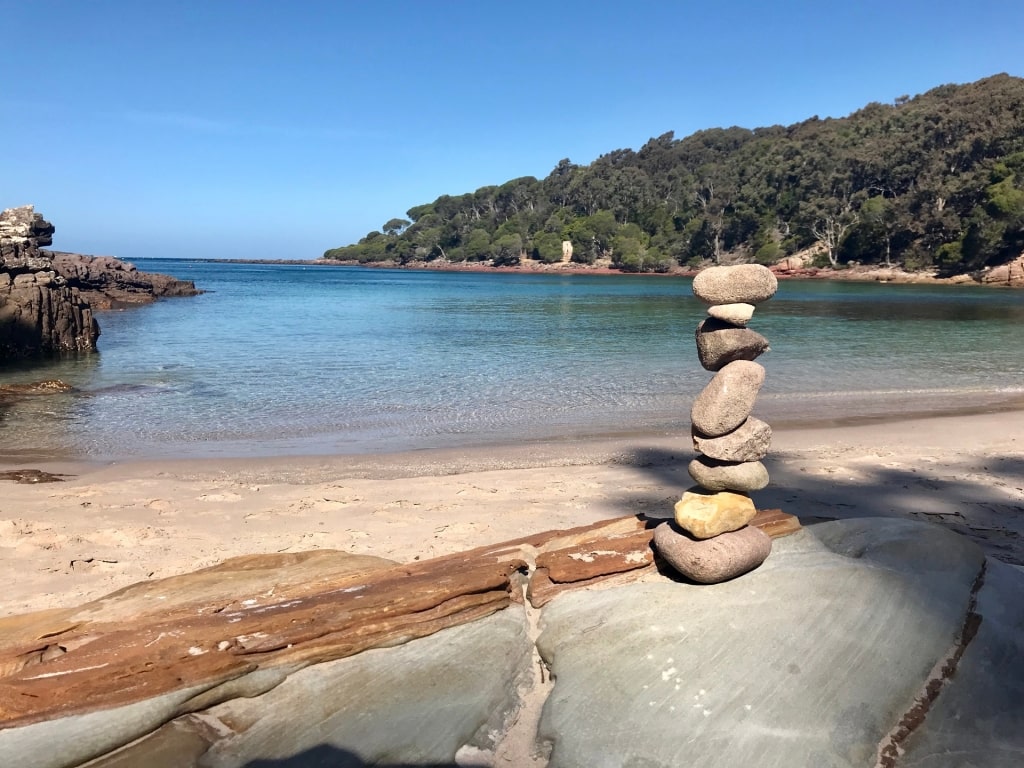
point(711, 540)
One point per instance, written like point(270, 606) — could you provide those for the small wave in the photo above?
point(874, 393)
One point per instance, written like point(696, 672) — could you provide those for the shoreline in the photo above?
point(541, 447)
point(107, 526)
point(858, 273)
point(621, 448)
point(544, 448)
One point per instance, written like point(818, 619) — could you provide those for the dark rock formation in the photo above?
point(47, 298)
point(109, 283)
point(40, 314)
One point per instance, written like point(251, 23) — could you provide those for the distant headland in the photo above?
point(927, 188)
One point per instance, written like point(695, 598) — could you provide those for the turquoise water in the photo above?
point(282, 359)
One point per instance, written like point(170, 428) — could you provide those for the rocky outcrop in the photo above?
point(1011, 274)
point(47, 298)
point(412, 662)
point(40, 314)
point(109, 283)
point(828, 655)
point(408, 662)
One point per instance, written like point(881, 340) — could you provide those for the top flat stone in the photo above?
point(739, 284)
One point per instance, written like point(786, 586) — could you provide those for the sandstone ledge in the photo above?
point(269, 611)
point(856, 640)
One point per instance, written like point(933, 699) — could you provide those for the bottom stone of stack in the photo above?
point(714, 560)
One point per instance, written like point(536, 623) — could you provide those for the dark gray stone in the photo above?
point(711, 561)
point(719, 343)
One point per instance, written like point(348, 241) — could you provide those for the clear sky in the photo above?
point(249, 128)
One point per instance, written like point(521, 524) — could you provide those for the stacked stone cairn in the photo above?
point(710, 540)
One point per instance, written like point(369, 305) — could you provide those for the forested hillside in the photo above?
point(933, 180)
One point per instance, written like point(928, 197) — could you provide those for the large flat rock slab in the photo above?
point(416, 704)
point(808, 661)
point(976, 717)
point(91, 679)
point(870, 642)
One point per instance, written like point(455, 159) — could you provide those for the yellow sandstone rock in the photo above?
point(704, 514)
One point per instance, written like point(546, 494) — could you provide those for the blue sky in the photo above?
point(252, 129)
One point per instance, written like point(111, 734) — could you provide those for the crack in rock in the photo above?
point(520, 740)
point(890, 748)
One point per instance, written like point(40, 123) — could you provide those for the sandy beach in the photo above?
point(104, 527)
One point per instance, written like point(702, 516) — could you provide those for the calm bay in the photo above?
point(292, 359)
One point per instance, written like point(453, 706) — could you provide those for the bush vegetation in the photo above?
point(933, 180)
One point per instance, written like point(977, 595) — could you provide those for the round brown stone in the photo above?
point(739, 284)
point(712, 560)
point(719, 343)
point(728, 399)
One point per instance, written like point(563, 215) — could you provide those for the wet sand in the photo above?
point(107, 526)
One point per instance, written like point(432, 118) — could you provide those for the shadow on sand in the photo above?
point(982, 499)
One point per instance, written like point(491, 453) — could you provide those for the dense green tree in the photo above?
point(508, 250)
point(395, 226)
point(935, 179)
point(547, 247)
point(477, 246)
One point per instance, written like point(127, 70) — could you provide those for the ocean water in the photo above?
point(288, 359)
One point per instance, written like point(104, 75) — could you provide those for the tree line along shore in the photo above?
point(931, 184)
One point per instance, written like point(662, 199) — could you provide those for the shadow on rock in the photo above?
point(327, 756)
